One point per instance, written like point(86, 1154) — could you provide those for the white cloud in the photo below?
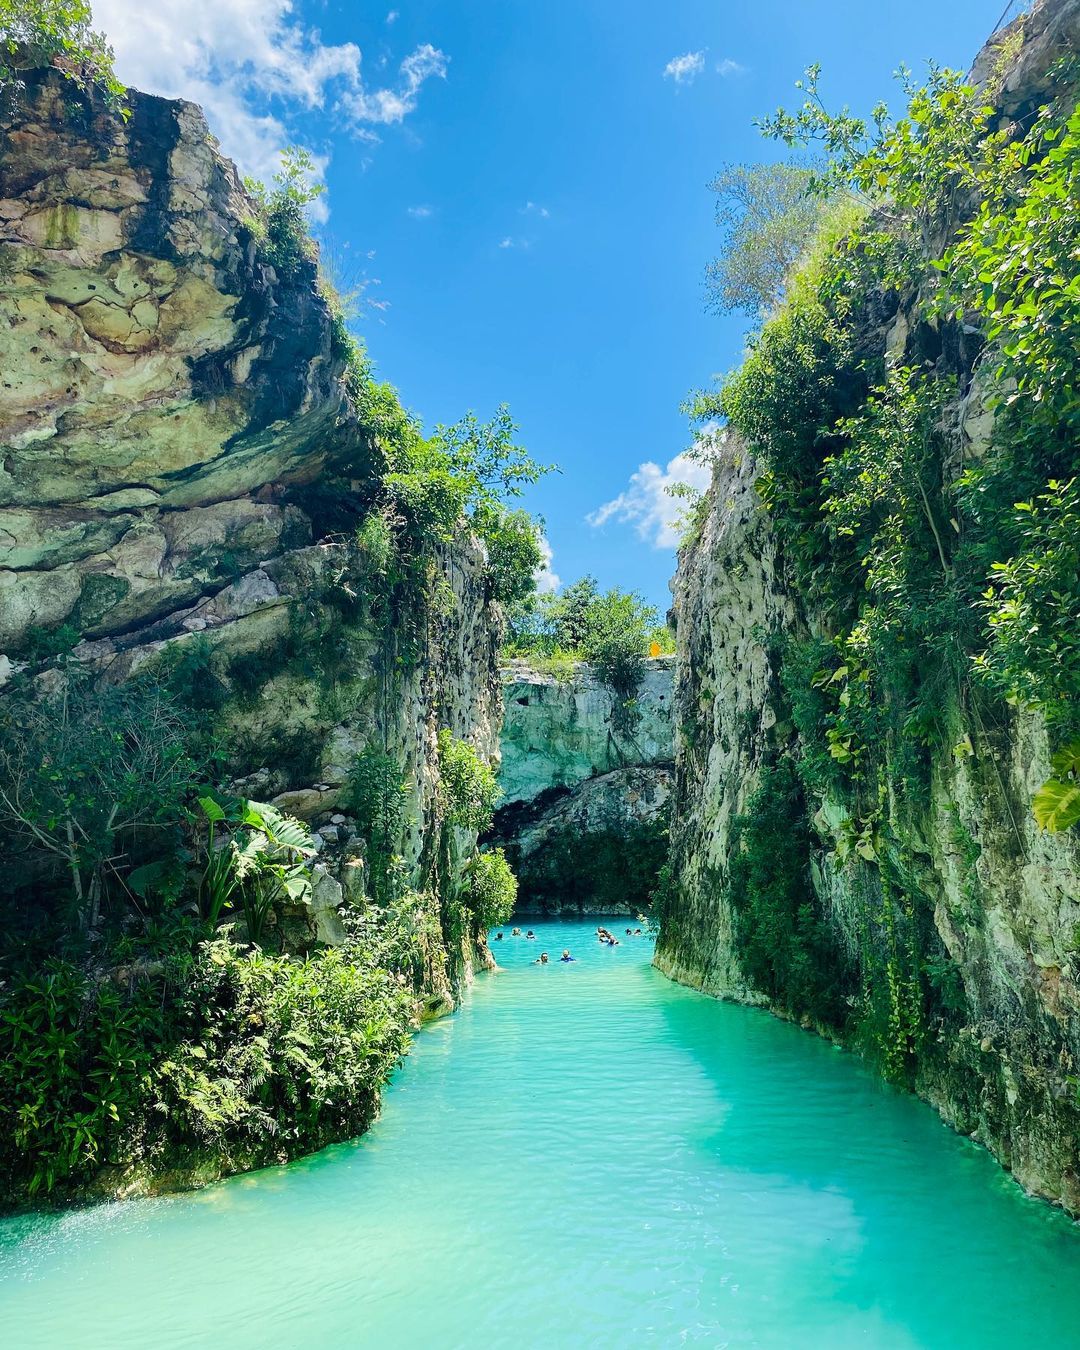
point(387, 106)
point(251, 64)
point(646, 503)
point(392, 17)
point(419, 212)
point(535, 209)
point(729, 67)
point(683, 69)
point(546, 580)
point(506, 243)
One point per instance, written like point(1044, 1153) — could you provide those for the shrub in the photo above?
point(280, 1055)
point(468, 787)
point(490, 890)
point(280, 224)
point(56, 33)
point(1033, 607)
point(76, 1062)
point(83, 771)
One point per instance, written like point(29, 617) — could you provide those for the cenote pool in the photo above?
point(586, 1155)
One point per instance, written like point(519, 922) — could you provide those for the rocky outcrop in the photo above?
point(558, 729)
point(163, 388)
point(177, 440)
point(956, 897)
point(728, 598)
point(584, 801)
point(1002, 896)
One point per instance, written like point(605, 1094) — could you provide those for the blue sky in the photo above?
point(524, 188)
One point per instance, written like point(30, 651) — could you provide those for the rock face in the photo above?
point(557, 730)
point(162, 388)
point(585, 806)
point(177, 438)
point(995, 901)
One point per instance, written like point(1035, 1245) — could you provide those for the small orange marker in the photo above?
point(654, 649)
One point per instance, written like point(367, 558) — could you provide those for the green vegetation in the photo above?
point(938, 588)
point(614, 631)
point(491, 889)
point(92, 781)
point(785, 945)
point(768, 216)
point(468, 785)
point(213, 1050)
point(56, 33)
point(941, 578)
point(280, 222)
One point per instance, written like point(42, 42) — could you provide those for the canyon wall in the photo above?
point(585, 799)
point(923, 918)
point(187, 452)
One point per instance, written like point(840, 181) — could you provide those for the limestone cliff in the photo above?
point(585, 801)
point(953, 906)
point(184, 461)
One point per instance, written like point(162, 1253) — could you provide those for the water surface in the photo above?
point(586, 1155)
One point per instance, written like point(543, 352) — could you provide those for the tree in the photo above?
point(768, 218)
point(57, 33)
point(83, 769)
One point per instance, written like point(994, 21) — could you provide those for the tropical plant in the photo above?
point(490, 889)
point(84, 771)
point(1057, 802)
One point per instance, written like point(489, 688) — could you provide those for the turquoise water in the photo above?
point(585, 1156)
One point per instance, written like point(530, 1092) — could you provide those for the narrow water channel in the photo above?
point(586, 1155)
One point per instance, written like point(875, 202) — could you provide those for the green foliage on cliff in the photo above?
point(930, 548)
point(215, 1052)
point(280, 223)
point(56, 33)
point(785, 945)
point(935, 581)
point(467, 784)
point(613, 631)
point(491, 889)
point(768, 216)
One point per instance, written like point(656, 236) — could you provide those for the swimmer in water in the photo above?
point(515, 932)
point(530, 936)
point(637, 932)
point(541, 960)
point(498, 937)
point(567, 957)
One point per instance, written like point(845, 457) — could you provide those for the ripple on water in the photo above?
point(586, 1155)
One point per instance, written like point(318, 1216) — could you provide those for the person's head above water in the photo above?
point(498, 937)
point(542, 959)
point(515, 932)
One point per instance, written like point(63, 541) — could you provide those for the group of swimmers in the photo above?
point(604, 936)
